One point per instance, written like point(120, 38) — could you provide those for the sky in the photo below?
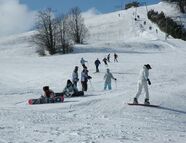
point(18, 16)
point(103, 6)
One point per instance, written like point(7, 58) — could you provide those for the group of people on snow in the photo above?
point(72, 90)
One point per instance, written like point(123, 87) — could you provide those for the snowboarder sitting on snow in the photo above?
point(70, 89)
point(108, 76)
point(97, 63)
point(84, 79)
point(48, 93)
point(75, 78)
point(142, 83)
point(83, 62)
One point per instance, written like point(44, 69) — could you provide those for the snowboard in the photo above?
point(140, 104)
point(56, 99)
point(76, 94)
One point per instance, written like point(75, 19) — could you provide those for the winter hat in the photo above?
point(108, 70)
point(148, 66)
point(45, 88)
point(69, 81)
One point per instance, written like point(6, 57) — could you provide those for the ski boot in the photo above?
point(135, 101)
point(147, 102)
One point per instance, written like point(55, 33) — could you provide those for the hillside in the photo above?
point(101, 116)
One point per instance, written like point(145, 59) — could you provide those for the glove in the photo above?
point(148, 80)
point(89, 77)
point(115, 79)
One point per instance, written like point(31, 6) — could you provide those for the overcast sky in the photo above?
point(18, 16)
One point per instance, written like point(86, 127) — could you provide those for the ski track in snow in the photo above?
point(100, 116)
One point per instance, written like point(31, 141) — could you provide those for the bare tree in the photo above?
point(63, 41)
point(46, 27)
point(76, 26)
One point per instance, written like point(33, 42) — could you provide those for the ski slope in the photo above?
point(101, 116)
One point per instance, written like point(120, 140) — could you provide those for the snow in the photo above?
point(101, 116)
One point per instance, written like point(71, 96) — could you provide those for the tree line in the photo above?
point(167, 25)
point(58, 33)
point(180, 3)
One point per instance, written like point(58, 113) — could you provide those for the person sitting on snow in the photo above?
point(142, 83)
point(70, 89)
point(48, 93)
point(108, 76)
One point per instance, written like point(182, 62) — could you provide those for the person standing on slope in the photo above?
point(105, 61)
point(97, 63)
point(108, 58)
point(82, 61)
point(75, 78)
point(108, 76)
point(84, 79)
point(115, 57)
point(142, 83)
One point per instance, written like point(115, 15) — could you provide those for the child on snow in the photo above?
point(108, 76)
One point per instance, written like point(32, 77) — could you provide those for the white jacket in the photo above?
point(84, 76)
point(82, 61)
point(144, 74)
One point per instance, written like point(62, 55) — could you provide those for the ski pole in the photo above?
point(116, 84)
point(91, 84)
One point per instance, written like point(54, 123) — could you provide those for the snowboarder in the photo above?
point(75, 78)
point(108, 76)
point(83, 62)
point(108, 57)
point(97, 63)
point(105, 61)
point(48, 93)
point(84, 79)
point(70, 89)
point(115, 57)
point(142, 83)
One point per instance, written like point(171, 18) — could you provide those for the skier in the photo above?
point(84, 79)
point(75, 78)
point(70, 89)
point(48, 93)
point(83, 62)
point(97, 63)
point(108, 57)
point(115, 57)
point(142, 83)
point(108, 76)
point(105, 61)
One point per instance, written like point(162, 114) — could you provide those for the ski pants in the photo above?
point(84, 85)
point(140, 86)
point(107, 85)
point(97, 69)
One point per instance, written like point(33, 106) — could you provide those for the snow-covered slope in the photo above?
point(101, 116)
